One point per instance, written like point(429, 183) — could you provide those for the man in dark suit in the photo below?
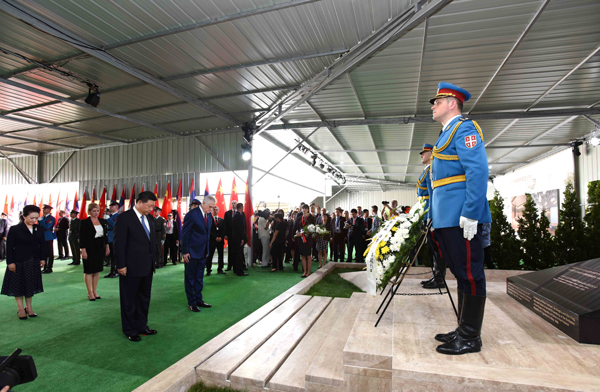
point(195, 239)
point(217, 234)
point(228, 232)
point(238, 240)
point(62, 227)
point(160, 237)
point(74, 227)
point(3, 234)
point(339, 235)
point(134, 255)
point(356, 231)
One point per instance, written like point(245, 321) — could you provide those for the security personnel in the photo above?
point(110, 222)
point(423, 192)
point(160, 237)
point(47, 223)
point(74, 227)
point(459, 176)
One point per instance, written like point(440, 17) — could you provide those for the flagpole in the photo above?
point(250, 235)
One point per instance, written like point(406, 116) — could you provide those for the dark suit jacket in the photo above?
point(217, 230)
point(87, 232)
point(3, 227)
point(195, 235)
point(228, 223)
point(298, 224)
point(342, 230)
point(358, 230)
point(74, 228)
point(63, 224)
point(238, 229)
point(21, 245)
point(132, 247)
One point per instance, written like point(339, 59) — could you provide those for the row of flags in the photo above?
point(167, 206)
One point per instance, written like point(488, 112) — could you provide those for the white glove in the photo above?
point(469, 227)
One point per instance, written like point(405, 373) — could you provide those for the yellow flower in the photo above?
point(385, 250)
point(394, 228)
point(382, 244)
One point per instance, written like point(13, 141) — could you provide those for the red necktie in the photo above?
point(206, 219)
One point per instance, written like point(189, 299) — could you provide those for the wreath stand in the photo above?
point(397, 280)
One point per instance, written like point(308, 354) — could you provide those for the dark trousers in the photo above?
point(74, 244)
point(111, 257)
point(2, 248)
point(297, 254)
point(230, 256)
point(487, 257)
point(159, 253)
point(439, 264)
point(170, 248)
point(355, 244)
point(63, 247)
point(339, 247)
point(135, 302)
point(464, 258)
point(194, 280)
point(277, 255)
point(237, 258)
point(218, 246)
point(50, 255)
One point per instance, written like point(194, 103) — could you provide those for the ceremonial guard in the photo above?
point(459, 176)
point(161, 236)
point(110, 223)
point(47, 223)
point(217, 236)
point(424, 191)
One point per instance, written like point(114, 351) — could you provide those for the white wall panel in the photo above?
point(10, 175)
point(349, 200)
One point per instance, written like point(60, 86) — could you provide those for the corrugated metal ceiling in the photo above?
point(465, 44)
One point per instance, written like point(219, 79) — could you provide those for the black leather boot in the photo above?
point(450, 336)
point(468, 339)
point(423, 282)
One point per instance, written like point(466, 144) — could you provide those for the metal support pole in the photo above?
point(331, 198)
point(22, 172)
point(62, 166)
point(249, 197)
point(576, 177)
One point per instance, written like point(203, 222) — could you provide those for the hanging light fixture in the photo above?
point(595, 136)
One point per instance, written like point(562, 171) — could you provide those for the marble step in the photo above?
point(258, 369)
point(291, 376)
point(229, 358)
point(328, 365)
point(367, 346)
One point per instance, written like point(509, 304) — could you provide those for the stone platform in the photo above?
point(298, 343)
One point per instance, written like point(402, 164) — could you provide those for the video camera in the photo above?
point(16, 369)
point(385, 203)
point(266, 213)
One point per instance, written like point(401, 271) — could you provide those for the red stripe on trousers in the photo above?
point(469, 274)
point(437, 243)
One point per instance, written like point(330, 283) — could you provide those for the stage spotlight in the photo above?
point(314, 160)
point(93, 98)
point(575, 146)
point(594, 139)
point(322, 165)
point(246, 152)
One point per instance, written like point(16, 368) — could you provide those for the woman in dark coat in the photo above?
point(94, 247)
point(304, 242)
point(25, 255)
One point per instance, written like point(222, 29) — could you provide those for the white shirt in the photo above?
point(140, 218)
point(99, 231)
point(449, 121)
point(262, 232)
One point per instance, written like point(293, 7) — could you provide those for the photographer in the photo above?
point(391, 211)
point(339, 235)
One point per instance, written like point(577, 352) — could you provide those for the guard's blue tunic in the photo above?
point(424, 190)
point(48, 223)
point(459, 175)
point(111, 226)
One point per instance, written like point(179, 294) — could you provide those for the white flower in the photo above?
point(310, 228)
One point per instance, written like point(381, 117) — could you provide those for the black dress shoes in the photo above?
point(203, 305)
point(48, 271)
point(221, 272)
point(148, 332)
point(434, 284)
point(242, 274)
point(208, 273)
point(194, 308)
point(427, 281)
point(134, 338)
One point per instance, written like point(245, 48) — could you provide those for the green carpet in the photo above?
point(77, 345)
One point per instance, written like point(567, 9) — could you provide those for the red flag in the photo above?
point(76, 203)
point(12, 205)
point(6, 205)
point(179, 200)
point(167, 202)
point(248, 212)
point(57, 210)
point(102, 202)
point(206, 191)
point(50, 202)
point(33, 200)
point(156, 203)
point(192, 191)
point(114, 194)
point(83, 213)
point(132, 198)
point(143, 186)
point(221, 200)
point(41, 202)
point(234, 195)
point(94, 194)
point(122, 200)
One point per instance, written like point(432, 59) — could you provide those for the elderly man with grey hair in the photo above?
point(195, 240)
